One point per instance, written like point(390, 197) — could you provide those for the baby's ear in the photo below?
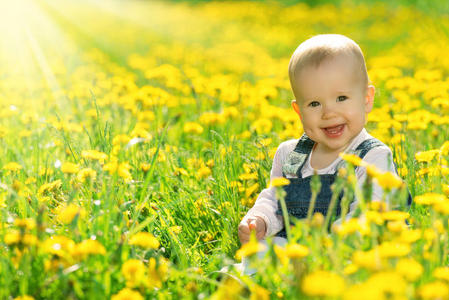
point(296, 108)
point(369, 98)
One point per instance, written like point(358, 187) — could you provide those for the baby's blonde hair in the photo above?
point(317, 49)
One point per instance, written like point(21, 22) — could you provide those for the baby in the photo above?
point(333, 96)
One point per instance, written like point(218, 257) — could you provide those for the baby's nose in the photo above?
point(328, 112)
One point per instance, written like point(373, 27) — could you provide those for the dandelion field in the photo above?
point(135, 135)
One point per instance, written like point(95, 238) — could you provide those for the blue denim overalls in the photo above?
point(298, 191)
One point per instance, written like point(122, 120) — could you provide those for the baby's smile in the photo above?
point(334, 131)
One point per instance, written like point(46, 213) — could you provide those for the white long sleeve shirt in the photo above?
point(267, 204)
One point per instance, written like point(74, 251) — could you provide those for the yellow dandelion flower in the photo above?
point(409, 268)
point(110, 167)
point(181, 171)
point(250, 248)
point(259, 293)
point(66, 214)
point(266, 142)
point(350, 269)
point(429, 234)
point(144, 240)
point(389, 181)
point(231, 112)
point(373, 171)
point(248, 176)
point(157, 272)
point(145, 167)
point(365, 290)
point(389, 249)
point(88, 247)
point(24, 297)
point(403, 171)
point(59, 245)
point(378, 206)
point(383, 282)
point(94, 155)
point(352, 159)
point(439, 226)
point(348, 227)
point(296, 251)
point(313, 284)
point(211, 118)
point(210, 163)
point(374, 217)
point(154, 278)
point(262, 126)
point(121, 139)
point(12, 166)
point(12, 237)
point(434, 290)
point(317, 220)
point(397, 226)
point(30, 180)
point(426, 156)
point(260, 156)
point(70, 168)
point(127, 294)
point(134, 271)
point(175, 229)
point(441, 273)
point(444, 149)
point(193, 127)
point(27, 223)
point(280, 181)
point(370, 260)
point(251, 189)
point(208, 237)
point(50, 187)
point(123, 171)
point(86, 173)
point(229, 289)
point(429, 198)
point(146, 115)
point(442, 207)
point(244, 135)
point(45, 171)
point(204, 172)
point(29, 239)
point(281, 254)
point(395, 215)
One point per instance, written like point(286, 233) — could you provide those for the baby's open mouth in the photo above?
point(334, 131)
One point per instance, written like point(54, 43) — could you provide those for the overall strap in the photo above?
point(366, 146)
point(296, 159)
point(304, 145)
point(361, 151)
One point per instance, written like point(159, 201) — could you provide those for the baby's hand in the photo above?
point(252, 223)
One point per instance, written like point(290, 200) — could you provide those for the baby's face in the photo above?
point(333, 101)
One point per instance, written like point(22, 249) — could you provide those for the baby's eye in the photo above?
point(314, 103)
point(341, 98)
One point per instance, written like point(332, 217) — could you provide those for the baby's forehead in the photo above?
point(331, 75)
point(315, 62)
point(348, 65)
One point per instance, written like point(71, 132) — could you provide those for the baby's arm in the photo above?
point(266, 204)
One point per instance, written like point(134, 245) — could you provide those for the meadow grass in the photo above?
point(136, 135)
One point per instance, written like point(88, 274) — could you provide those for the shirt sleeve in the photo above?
point(266, 203)
point(382, 158)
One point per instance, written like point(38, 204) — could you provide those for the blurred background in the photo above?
point(120, 118)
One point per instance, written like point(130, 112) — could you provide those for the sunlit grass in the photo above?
point(135, 136)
